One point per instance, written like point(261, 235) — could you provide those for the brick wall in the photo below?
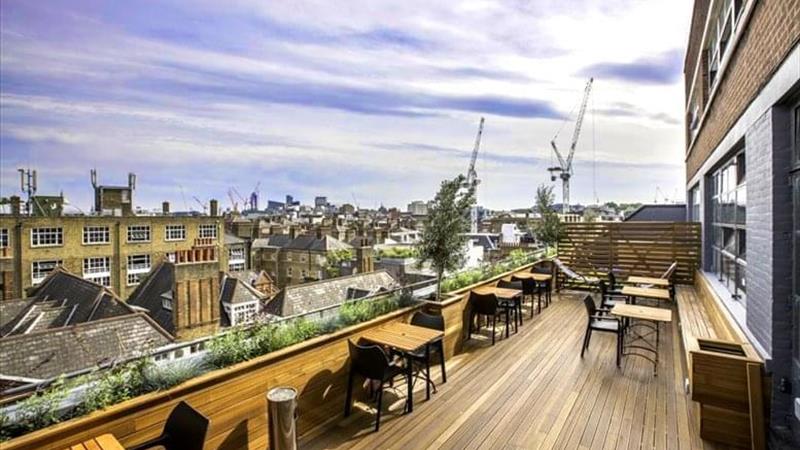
point(773, 30)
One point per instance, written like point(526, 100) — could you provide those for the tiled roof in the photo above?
point(313, 243)
point(54, 351)
point(230, 239)
point(61, 299)
point(236, 291)
point(319, 294)
point(150, 293)
point(658, 213)
point(275, 240)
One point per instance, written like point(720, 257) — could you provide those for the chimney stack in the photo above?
point(15, 205)
point(165, 208)
point(292, 231)
point(213, 208)
point(364, 256)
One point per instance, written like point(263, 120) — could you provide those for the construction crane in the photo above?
point(473, 181)
point(203, 206)
point(564, 168)
point(234, 204)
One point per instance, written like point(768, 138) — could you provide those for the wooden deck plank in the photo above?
point(533, 390)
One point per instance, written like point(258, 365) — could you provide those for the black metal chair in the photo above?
point(610, 298)
point(486, 305)
point(613, 287)
point(516, 303)
point(600, 322)
point(372, 363)
point(545, 287)
point(185, 429)
point(436, 347)
point(530, 289)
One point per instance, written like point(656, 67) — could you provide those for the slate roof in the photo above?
point(319, 294)
point(236, 291)
point(156, 286)
point(658, 213)
point(62, 299)
point(50, 352)
point(311, 242)
point(230, 239)
point(275, 240)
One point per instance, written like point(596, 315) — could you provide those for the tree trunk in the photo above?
point(439, 285)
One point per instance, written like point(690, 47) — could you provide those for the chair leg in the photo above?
point(586, 338)
point(441, 355)
point(349, 395)
point(469, 326)
point(619, 348)
point(539, 294)
point(494, 324)
point(427, 372)
point(380, 407)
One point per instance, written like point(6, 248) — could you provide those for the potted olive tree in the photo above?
point(549, 229)
point(443, 240)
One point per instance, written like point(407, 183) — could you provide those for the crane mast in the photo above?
point(564, 168)
point(472, 179)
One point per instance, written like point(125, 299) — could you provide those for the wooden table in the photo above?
point(661, 282)
point(407, 338)
point(104, 442)
point(647, 318)
point(545, 278)
point(651, 293)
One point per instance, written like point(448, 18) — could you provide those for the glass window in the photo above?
point(208, 231)
point(3, 237)
point(729, 234)
point(40, 269)
point(139, 233)
point(175, 233)
point(47, 237)
point(98, 270)
point(138, 267)
point(694, 204)
point(96, 235)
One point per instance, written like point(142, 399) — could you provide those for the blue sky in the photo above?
point(374, 100)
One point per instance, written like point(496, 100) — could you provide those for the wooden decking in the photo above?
point(534, 391)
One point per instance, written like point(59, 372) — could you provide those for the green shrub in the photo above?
point(159, 377)
point(116, 385)
point(40, 410)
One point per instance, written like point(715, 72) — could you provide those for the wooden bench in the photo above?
point(724, 373)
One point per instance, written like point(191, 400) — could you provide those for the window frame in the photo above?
point(134, 271)
point(36, 280)
point(171, 228)
point(4, 238)
point(139, 228)
point(202, 231)
point(57, 238)
point(90, 230)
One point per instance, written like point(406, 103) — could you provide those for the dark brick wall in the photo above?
point(771, 33)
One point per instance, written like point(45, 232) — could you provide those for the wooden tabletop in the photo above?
point(654, 293)
point(533, 276)
point(402, 336)
point(502, 293)
point(642, 312)
point(648, 280)
point(104, 442)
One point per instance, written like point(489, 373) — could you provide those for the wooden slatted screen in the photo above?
point(632, 248)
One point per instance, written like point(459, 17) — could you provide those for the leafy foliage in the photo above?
point(398, 252)
point(465, 278)
point(549, 229)
point(116, 385)
point(334, 259)
point(39, 410)
point(442, 241)
point(159, 377)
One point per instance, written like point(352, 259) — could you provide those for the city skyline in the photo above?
point(377, 103)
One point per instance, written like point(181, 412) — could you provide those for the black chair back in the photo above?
point(603, 289)
point(591, 308)
point(612, 280)
point(431, 321)
point(510, 285)
point(186, 428)
point(369, 361)
point(528, 285)
point(483, 303)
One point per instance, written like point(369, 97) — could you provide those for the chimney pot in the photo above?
point(165, 208)
point(213, 208)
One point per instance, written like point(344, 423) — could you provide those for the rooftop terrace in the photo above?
point(533, 390)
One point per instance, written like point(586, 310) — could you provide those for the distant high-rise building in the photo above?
point(320, 202)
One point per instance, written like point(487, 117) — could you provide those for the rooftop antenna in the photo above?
point(27, 183)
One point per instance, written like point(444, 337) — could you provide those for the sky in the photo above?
point(362, 101)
